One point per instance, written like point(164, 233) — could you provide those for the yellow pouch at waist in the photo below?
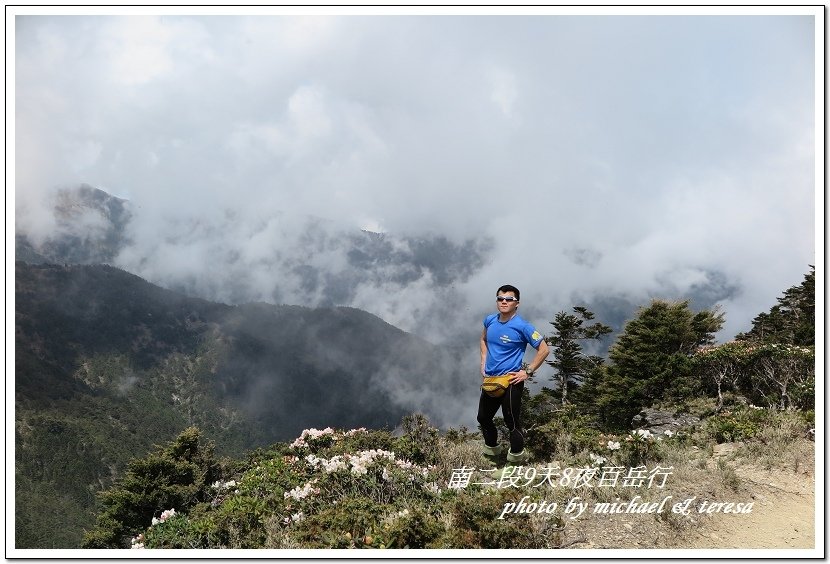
point(495, 386)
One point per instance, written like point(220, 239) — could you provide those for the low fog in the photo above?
point(592, 160)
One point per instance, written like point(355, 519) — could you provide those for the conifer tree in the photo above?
point(792, 321)
point(570, 363)
point(176, 476)
point(651, 359)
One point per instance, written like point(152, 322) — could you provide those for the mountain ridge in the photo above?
point(272, 258)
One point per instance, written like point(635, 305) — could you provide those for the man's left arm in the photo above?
point(542, 352)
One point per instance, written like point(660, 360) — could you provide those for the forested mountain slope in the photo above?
point(107, 364)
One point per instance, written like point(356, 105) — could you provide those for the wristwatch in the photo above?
point(529, 371)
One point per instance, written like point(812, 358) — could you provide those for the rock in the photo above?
point(658, 421)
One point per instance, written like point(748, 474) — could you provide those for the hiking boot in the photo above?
point(492, 452)
point(519, 458)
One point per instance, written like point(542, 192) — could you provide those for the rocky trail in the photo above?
point(783, 514)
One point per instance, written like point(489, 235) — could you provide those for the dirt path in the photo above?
point(783, 514)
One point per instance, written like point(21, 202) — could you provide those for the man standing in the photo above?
point(503, 342)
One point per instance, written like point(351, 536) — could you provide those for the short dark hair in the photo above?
point(509, 288)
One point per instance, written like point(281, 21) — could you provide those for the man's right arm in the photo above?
point(483, 350)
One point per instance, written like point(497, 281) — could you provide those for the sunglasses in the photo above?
point(506, 299)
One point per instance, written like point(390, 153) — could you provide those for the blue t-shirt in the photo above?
point(506, 343)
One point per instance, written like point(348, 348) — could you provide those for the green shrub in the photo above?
point(419, 443)
point(415, 528)
point(475, 522)
point(458, 436)
point(173, 533)
point(565, 433)
point(640, 447)
point(742, 423)
point(352, 522)
point(362, 439)
point(728, 476)
point(177, 476)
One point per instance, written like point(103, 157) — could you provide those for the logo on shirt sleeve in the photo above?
point(536, 336)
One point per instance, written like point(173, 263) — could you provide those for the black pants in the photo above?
point(511, 407)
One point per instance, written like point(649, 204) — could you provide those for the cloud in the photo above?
point(504, 90)
point(304, 126)
point(138, 49)
point(596, 159)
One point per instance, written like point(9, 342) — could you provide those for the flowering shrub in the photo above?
point(640, 446)
point(176, 531)
point(165, 515)
point(220, 485)
point(289, 495)
point(358, 498)
point(299, 493)
point(314, 437)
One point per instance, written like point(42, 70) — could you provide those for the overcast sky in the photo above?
point(605, 156)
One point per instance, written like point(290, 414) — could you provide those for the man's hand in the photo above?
point(519, 376)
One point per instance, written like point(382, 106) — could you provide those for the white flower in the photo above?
point(219, 485)
point(165, 515)
point(358, 464)
point(432, 487)
point(312, 434)
point(613, 445)
point(301, 492)
point(596, 459)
